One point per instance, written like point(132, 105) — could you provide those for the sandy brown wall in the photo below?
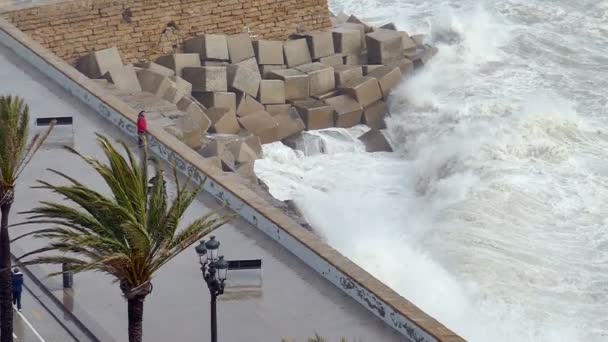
point(139, 27)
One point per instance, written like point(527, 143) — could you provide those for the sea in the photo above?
point(492, 213)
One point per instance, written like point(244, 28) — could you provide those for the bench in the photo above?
point(253, 264)
point(59, 120)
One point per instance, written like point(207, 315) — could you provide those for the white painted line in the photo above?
point(29, 325)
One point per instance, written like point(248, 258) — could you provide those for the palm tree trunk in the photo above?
point(6, 278)
point(136, 318)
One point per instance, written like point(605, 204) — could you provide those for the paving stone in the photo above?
point(206, 79)
point(347, 40)
point(179, 88)
point(384, 46)
point(269, 52)
point(365, 90)
point(315, 114)
point(217, 99)
point(347, 111)
point(192, 133)
point(266, 69)
point(375, 141)
point(297, 83)
point(388, 77)
point(177, 62)
point(124, 78)
point(332, 60)
point(223, 120)
point(152, 82)
point(289, 123)
point(296, 52)
point(272, 92)
point(320, 43)
point(240, 47)
point(208, 46)
point(321, 79)
point(405, 65)
point(247, 105)
point(157, 68)
point(243, 79)
point(370, 67)
point(261, 124)
point(277, 109)
point(345, 73)
point(373, 116)
point(96, 64)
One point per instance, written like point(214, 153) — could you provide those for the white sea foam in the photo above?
point(491, 214)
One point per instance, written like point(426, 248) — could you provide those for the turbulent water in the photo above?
point(492, 215)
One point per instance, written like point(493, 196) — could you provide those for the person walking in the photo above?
point(17, 288)
point(142, 127)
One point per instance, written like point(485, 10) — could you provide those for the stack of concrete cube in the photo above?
point(225, 95)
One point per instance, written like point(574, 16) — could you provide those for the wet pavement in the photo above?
point(287, 300)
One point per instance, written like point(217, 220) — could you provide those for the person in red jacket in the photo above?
point(142, 127)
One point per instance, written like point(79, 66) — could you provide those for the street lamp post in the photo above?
point(215, 270)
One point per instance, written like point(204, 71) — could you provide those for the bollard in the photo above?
point(68, 276)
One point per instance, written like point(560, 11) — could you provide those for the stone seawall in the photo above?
point(147, 29)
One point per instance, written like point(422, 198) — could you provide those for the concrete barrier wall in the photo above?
point(70, 28)
point(383, 302)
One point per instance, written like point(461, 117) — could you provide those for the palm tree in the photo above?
point(15, 155)
point(129, 235)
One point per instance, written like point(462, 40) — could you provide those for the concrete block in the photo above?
point(247, 171)
point(370, 67)
point(320, 43)
point(340, 18)
point(247, 105)
point(347, 40)
point(196, 113)
point(206, 79)
point(405, 65)
point(219, 148)
point(157, 68)
point(289, 123)
point(269, 52)
point(188, 100)
point(261, 124)
point(296, 52)
point(96, 64)
point(208, 46)
point(365, 90)
point(266, 69)
point(192, 132)
point(243, 79)
point(331, 93)
point(384, 46)
point(240, 47)
point(332, 60)
point(215, 63)
point(174, 131)
point(154, 83)
point(347, 111)
point(179, 88)
point(375, 141)
point(242, 152)
point(389, 26)
point(358, 27)
point(217, 99)
point(223, 121)
point(345, 73)
point(388, 77)
point(297, 84)
point(124, 78)
point(278, 109)
point(373, 116)
point(253, 141)
point(407, 42)
point(177, 62)
point(418, 39)
point(315, 114)
point(321, 78)
point(354, 20)
point(272, 92)
point(251, 64)
point(360, 59)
